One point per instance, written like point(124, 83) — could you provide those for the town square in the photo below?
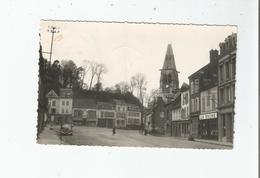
point(120, 92)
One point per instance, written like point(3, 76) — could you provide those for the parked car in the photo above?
point(66, 129)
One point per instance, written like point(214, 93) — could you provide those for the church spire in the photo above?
point(169, 61)
point(169, 81)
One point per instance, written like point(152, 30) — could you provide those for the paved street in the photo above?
point(103, 137)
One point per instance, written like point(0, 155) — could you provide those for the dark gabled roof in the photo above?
point(107, 97)
point(84, 103)
point(184, 87)
point(176, 103)
point(199, 72)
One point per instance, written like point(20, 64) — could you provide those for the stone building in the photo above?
point(176, 122)
point(85, 111)
point(133, 116)
point(159, 120)
point(169, 87)
point(99, 109)
point(198, 82)
point(226, 87)
point(106, 114)
point(60, 106)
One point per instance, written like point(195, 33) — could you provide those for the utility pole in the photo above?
point(52, 30)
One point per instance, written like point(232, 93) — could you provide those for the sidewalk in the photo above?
point(48, 136)
point(214, 142)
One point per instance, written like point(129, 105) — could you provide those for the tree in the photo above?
point(93, 72)
point(70, 74)
point(98, 86)
point(122, 88)
point(85, 68)
point(152, 97)
point(101, 69)
point(132, 85)
point(140, 82)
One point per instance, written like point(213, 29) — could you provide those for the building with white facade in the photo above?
point(60, 105)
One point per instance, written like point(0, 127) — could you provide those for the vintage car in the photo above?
point(66, 129)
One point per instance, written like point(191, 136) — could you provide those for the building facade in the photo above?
point(201, 80)
point(179, 126)
point(85, 111)
point(112, 113)
point(133, 116)
point(194, 81)
point(106, 114)
point(159, 120)
point(60, 106)
point(121, 114)
point(208, 114)
point(226, 88)
point(185, 110)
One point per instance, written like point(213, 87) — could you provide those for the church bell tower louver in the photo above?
point(169, 81)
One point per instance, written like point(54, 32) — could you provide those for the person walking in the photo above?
point(114, 131)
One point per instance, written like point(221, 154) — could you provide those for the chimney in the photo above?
point(213, 55)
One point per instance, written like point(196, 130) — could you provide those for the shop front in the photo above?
point(108, 123)
point(180, 128)
point(208, 126)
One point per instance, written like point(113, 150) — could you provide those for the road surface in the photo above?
point(103, 137)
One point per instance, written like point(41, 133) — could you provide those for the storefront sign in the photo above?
point(208, 116)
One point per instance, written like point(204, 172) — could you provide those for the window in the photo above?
point(233, 68)
point(67, 103)
point(107, 114)
point(214, 102)
point(186, 98)
point(227, 70)
point(67, 111)
point(62, 111)
point(198, 104)
point(63, 102)
point(196, 87)
point(221, 96)
point(192, 105)
point(53, 103)
point(228, 94)
point(192, 87)
point(221, 73)
point(92, 114)
point(203, 104)
point(208, 100)
point(133, 114)
point(53, 110)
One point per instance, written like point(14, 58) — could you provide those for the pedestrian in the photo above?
point(114, 131)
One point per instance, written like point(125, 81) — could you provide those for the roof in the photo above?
point(184, 87)
point(51, 94)
point(65, 92)
point(84, 103)
point(169, 61)
point(175, 103)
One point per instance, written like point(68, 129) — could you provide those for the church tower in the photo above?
point(169, 81)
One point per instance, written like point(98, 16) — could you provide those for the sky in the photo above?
point(130, 48)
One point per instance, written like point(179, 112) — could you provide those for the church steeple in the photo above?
point(169, 81)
